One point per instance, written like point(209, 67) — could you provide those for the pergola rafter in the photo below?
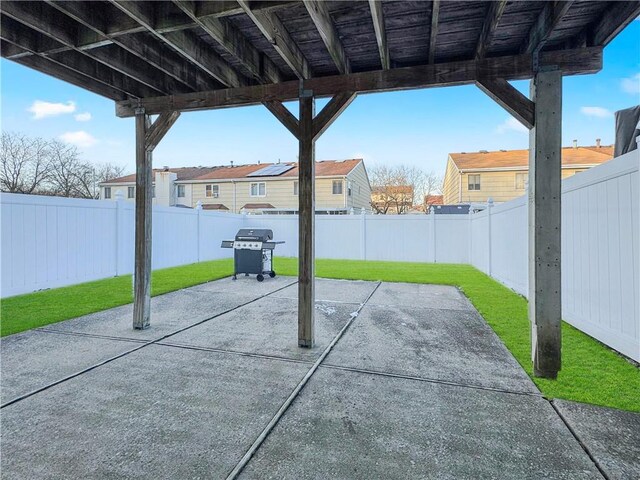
point(170, 57)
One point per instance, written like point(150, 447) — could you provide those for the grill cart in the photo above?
point(252, 252)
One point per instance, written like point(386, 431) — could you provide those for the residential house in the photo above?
point(503, 175)
point(257, 188)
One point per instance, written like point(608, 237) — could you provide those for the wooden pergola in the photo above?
point(164, 58)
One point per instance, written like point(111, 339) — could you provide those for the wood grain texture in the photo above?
point(331, 112)
point(274, 31)
point(494, 14)
point(142, 255)
point(306, 225)
point(544, 25)
point(456, 73)
point(284, 116)
point(545, 307)
point(159, 129)
point(509, 98)
point(319, 13)
point(433, 35)
point(377, 15)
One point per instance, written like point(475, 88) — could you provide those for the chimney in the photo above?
point(232, 163)
point(598, 142)
point(575, 144)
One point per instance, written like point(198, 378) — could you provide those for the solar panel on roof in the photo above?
point(271, 171)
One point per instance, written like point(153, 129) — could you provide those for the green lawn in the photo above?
point(591, 372)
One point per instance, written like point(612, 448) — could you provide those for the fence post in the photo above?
point(433, 232)
point(199, 217)
point(489, 208)
point(118, 232)
point(363, 235)
point(470, 235)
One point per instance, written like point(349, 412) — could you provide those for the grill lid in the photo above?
point(255, 234)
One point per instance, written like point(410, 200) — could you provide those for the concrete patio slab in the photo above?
point(451, 345)
point(227, 285)
point(329, 290)
point(611, 436)
point(420, 295)
point(268, 326)
point(34, 359)
point(169, 312)
point(161, 412)
point(354, 425)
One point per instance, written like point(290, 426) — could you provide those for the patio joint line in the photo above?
point(430, 380)
point(235, 352)
point(91, 335)
point(579, 440)
point(294, 394)
point(146, 344)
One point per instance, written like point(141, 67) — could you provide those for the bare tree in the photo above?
point(66, 170)
point(24, 162)
point(396, 189)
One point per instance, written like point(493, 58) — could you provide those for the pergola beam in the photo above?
point(164, 25)
point(377, 15)
point(433, 34)
point(38, 16)
point(609, 25)
point(274, 31)
point(509, 98)
point(234, 42)
point(547, 21)
point(496, 9)
point(284, 115)
point(87, 72)
point(161, 57)
point(331, 112)
point(159, 129)
point(186, 43)
point(319, 13)
point(569, 62)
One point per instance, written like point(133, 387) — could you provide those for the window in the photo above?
point(180, 191)
point(337, 187)
point(107, 192)
point(258, 189)
point(521, 180)
point(474, 182)
point(295, 188)
point(349, 189)
point(212, 191)
point(131, 192)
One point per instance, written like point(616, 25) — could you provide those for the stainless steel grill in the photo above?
point(252, 252)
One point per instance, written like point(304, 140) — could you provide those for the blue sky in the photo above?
point(415, 127)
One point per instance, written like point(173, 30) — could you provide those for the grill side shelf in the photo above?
point(227, 244)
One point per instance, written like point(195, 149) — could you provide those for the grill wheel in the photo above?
point(259, 277)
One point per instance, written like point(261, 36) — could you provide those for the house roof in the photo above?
point(520, 158)
point(183, 173)
point(434, 199)
point(257, 206)
point(214, 206)
point(324, 168)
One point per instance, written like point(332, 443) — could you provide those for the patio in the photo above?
point(418, 385)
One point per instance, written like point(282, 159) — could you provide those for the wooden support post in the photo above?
point(544, 223)
point(147, 138)
point(306, 222)
point(144, 198)
point(307, 129)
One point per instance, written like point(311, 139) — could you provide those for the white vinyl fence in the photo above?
point(49, 242)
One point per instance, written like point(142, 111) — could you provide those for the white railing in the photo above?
point(48, 242)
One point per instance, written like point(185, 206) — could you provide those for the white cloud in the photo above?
point(83, 117)
point(42, 109)
point(511, 124)
point(631, 85)
point(79, 139)
point(596, 112)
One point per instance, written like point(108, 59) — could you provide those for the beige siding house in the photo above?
point(258, 188)
point(503, 175)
